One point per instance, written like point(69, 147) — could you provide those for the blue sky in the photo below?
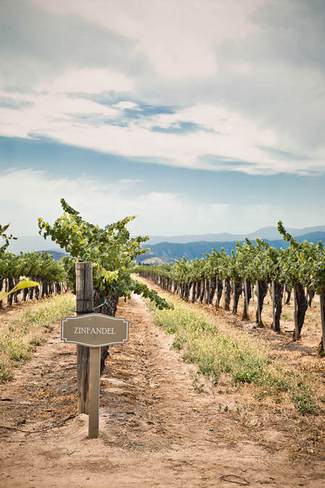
point(195, 116)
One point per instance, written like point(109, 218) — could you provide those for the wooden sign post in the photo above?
point(93, 331)
point(94, 387)
point(90, 331)
point(84, 304)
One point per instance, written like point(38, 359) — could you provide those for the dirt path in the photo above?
point(157, 428)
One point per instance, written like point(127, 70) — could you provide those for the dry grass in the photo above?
point(244, 359)
point(21, 335)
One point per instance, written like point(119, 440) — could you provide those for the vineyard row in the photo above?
point(50, 275)
point(252, 267)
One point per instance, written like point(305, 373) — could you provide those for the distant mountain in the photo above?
point(190, 246)
point(270, 233)
point(183, 239)
point(171, 251)
point(312, 237)
point(56, 254)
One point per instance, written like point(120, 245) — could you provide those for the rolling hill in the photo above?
point(171, 251)
point(269, 233)
point(168, 249)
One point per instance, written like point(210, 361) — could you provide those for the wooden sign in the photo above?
point(94, 330)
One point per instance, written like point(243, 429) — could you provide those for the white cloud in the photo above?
point(157, 212)
point(126, 104)
point(87, 80)
point(85, 123)
point(179, 38)
point(236, 68)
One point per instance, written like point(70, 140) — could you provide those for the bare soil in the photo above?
point(160, 425)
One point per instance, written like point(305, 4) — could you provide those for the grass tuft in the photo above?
point(5, 368)
point(17, 349)
point(243, 360)
point(23, 334)
point(304, 401)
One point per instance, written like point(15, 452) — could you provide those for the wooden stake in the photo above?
point(258, 312)
point(273, 303)
point(246, 299)
point(322, 311)
point(295, 314)
point(85, 304)
point(93, 399)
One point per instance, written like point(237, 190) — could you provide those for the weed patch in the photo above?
point(23, 334)
point(244, 361)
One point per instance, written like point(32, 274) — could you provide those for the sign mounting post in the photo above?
point(94, 387)
point(94, 330)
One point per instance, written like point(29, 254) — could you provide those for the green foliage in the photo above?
point(29, 269)
point(142, 289)
point(5, 238)
point(303, 262)
point(23, 283)
point(110, 249)
point(300, 263)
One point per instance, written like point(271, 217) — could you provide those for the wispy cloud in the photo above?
point(170, 83)
point(109, 201)
point(13, 103)
point(284, 155)
point(181, 127)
